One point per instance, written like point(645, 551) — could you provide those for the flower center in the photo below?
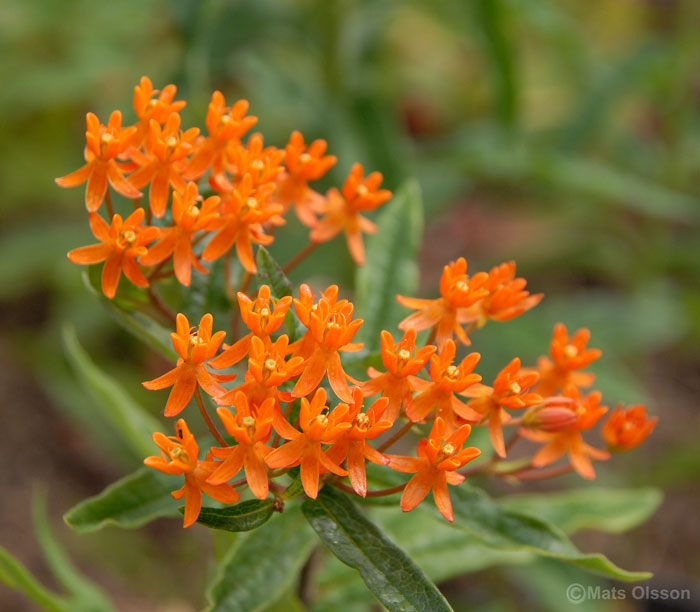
point(452, 372)
point(105, 139)
point(126, 239)
point(446, 451)
point(180, 454)
point(515, 388)
point(257, 165)
point(248, 422)
point(305, 158)
point(362, 190)
point(570, 350)
point(361, 422)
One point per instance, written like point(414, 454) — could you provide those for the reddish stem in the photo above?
point(379, 493)
point(300, 256)
point(396, 437)
point(208, 421)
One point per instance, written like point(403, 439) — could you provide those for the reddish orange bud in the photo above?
point(550, 418)
point(625, 429)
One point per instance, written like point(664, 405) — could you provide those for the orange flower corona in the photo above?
point(438, 458)
point(151, 104)
point(178, 456)
point(121, 243)
point(104, 144)
point(626, 429)
point(304, 448)
point(458, 292)
point(342, 211)
point(195, 349)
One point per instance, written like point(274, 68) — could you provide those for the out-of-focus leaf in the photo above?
point(245, 516)
point(128, 503)
point(391, 267)
point(15, 575)
point(262, 565)
point(476, 513)
point(119, 411)
point(611, 510)
point(87, 595)
point(140, 325)
point(395, 580)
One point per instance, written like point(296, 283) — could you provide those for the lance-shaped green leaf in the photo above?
point(124, 417)
point(394, 579)
point(391, 267)
point(140, 325)
point(270, 273)
point(610, 510)
point(478, 514)
point(246, 516)
point(129, 503)
point(262, 565)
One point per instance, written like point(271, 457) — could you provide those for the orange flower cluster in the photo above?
point(281, 416)
point(254, 185)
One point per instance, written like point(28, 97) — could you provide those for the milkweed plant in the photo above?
point(323, 418)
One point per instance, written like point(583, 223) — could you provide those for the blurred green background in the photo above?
point(562, 134)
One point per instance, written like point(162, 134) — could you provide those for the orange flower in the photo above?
point(304, 447)
point(304, 164)
point(352, 443)
point(448, 379)
point(104, 144)
point(568, 356)
point(166, 151)
point(569, 440)
point(120, 244)
point(251, 430)
point(262, 316)
point(511, 390)
point(267, 370)
point(506, 299)
point(243, 212)
point(224, 125)
point(458, 291)
point(188, 219)
point(147, 107)
point(402, 361)
point(330, 329)
point(195, 349)
point(435, 466)
point(264, 164)
point(342, 211)
point(626, 429)
point(179, 456)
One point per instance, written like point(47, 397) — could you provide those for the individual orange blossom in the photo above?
point(352, 443)
point(251, 430)
point(188, 219)
point(121, 243)
point(570, 441)
point(626, 429)
point(304, 448)
point(303, 164)
point(568, 355)
point(179, 456)
point(330, 329)
point(447, 379)
point(151, 104)
point(506, 299)
point(342, 211)
point(402, 361)
point(511, 390)
point(438, 458)
point(262, 316)
point(268, 369)
point(225, 124)
point(104, 144)
point(458, 291)
point(264, 164)
point(195, 349)
point(243, 213)
point(554, 414)
point(166, 151)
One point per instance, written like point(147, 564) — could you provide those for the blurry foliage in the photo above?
point(562, 134)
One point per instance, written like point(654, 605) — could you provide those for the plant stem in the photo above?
point(110, 206)
point(529, 473)
point(300, 256)
point(378, 493)
point(160, 305)
point(207, 420)
point(396, 437)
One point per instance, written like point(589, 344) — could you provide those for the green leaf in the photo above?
point(391, 267)
point(396, 581)
point(246, 516)
point(478, 514)
point(262, 566)
point(610, 510)
point(86, 594)
point(128, 503)
point(140, 325)
point(124, 417)
point(270, 273)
